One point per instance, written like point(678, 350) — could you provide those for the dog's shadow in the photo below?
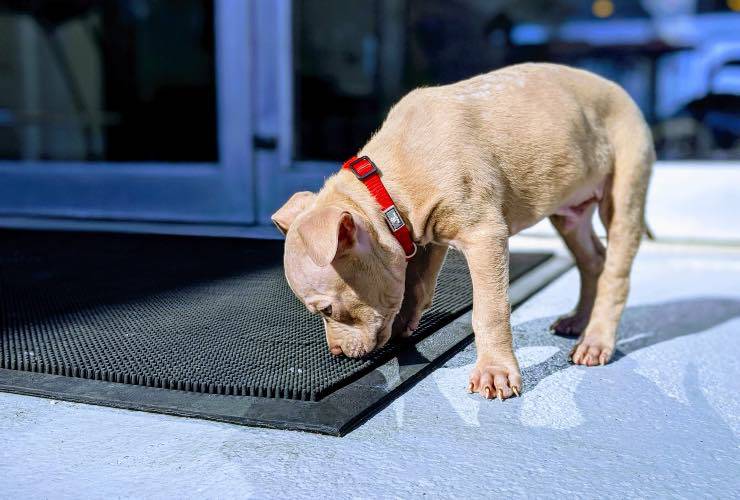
point(542, 354)
point(641, 327)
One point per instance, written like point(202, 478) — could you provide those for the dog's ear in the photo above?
point(295, 206)
point(328, 233)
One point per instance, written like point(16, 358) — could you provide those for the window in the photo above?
point(101, 81)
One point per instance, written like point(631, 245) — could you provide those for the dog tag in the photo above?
point(394, 220)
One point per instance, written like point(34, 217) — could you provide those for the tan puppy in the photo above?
point(468, 165)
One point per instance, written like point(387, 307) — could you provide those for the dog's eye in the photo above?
point(326, 311)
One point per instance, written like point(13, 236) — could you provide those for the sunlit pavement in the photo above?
point(663, 419)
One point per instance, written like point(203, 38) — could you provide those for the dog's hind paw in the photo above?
point(569, 324)
point(592, 350)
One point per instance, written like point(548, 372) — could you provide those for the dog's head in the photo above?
point(336, 267)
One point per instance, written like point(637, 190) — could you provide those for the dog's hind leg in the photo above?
point(622, 210)
point(589, 253)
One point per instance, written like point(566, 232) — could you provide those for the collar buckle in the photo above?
point(365, 170)
point(363, 167)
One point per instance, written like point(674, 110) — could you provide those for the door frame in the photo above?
point(222, 192)
point(278, 173)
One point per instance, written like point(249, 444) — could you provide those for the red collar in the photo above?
point(366, 171)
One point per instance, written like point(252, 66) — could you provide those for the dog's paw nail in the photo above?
point(487, 391)
point(470, 388)
point(500, 394)
point(516, 391)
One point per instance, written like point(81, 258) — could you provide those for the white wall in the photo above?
point(689, 201)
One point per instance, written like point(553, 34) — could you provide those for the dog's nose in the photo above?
point(336, 350)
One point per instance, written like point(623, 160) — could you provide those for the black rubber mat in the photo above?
point(200, 315)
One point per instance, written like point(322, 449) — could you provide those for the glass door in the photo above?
point(327, 71)
point(126, 111)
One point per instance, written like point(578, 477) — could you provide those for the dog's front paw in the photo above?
point(408, 318)
point(499, 378)
point(407, 322)
point(592, 350)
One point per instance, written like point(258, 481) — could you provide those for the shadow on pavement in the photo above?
point(641, 326)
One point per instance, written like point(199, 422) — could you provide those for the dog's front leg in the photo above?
point(496, 372)
point(421, 280)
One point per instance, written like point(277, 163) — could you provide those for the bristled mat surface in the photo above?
point(192, 314)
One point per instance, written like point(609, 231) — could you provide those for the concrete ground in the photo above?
point(661, 420)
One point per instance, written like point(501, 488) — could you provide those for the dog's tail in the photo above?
point(649, 232)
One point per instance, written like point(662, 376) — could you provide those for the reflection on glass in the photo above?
point(107, 80)
point(679, 60)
